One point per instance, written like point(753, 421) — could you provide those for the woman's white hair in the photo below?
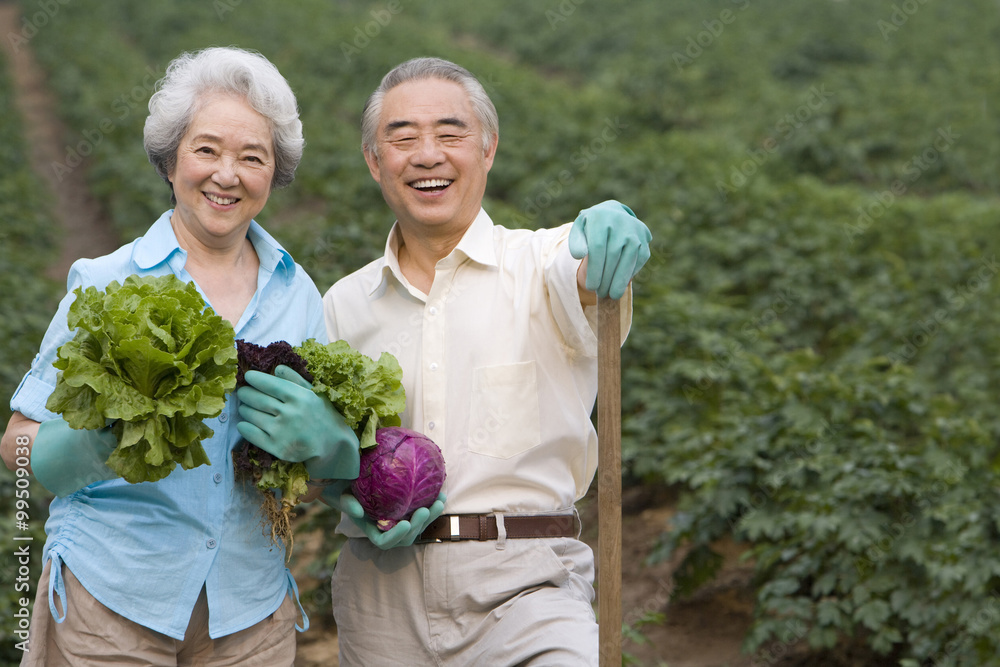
point(418, 69)
point(192, 76)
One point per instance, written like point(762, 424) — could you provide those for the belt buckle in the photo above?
point(455, 528)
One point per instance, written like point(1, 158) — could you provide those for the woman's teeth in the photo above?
point(223, 201)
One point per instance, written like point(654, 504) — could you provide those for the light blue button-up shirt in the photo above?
point(146, 550)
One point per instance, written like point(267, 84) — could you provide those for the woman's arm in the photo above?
point(17, 441)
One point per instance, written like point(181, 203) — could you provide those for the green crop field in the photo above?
point(814, 360)
point(25, 296)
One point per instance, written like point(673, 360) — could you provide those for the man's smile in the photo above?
point(431, 184)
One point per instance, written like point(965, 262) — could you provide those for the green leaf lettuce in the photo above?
point(368, 393)
point(150, 357)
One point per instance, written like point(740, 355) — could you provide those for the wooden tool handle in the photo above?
point(609, 485)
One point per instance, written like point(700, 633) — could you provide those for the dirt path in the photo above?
point(83, 230)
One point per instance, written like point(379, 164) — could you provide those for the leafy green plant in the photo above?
point(632, 632)
point(150, 357)
point(813, 357)
point(871, 520)
point(27, 298)
point(367, 392)
point(857, 476)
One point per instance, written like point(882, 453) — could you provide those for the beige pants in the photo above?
point(92, 635)
point(466, 603)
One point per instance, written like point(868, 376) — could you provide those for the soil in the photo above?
point(704, 631)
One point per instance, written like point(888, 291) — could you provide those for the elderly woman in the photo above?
point(178, 571)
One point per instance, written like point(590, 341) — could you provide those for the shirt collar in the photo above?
point(476, 244)
point(159, 245)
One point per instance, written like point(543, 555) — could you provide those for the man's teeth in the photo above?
point(224, 201)
point(431, 183)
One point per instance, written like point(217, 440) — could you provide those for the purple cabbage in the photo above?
point(403, 472)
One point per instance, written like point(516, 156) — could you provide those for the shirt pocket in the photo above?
point(504, 420)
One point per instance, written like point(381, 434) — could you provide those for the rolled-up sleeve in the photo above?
point(40, 381)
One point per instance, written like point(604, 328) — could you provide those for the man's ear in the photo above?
point(491, 151)
point(371, 159)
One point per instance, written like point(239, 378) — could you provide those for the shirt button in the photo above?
point(217, 477)
point(223, 417)
point(430, 426)
point(432, 310)
point(433, 366)
point(210, 544)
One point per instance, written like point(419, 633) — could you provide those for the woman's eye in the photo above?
point(254, 158)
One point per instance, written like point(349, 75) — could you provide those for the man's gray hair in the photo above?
point(419, 69)
point(192, 77)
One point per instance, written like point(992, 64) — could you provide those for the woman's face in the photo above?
point(223, 172)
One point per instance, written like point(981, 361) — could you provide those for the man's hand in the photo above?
point(403, 534)
point(615, 243)
point(285, 417)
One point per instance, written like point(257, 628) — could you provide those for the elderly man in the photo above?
point(495, 332)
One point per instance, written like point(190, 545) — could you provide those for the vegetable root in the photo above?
point(272, 478)
point(276, 519)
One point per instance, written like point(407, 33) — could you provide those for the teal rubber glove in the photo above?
point(64, 459)
point(282, 415)
point(615, 243)
point(403, 534)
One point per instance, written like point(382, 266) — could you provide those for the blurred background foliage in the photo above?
point(813, 361)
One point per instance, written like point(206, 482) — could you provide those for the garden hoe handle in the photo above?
point(609, 484)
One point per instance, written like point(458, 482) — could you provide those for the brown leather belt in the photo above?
point(454, 527)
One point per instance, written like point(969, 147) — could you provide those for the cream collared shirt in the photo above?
point(499, 363)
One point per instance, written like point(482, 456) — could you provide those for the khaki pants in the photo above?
point(466, 603)
point(92, 635)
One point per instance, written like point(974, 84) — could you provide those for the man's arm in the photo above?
point(587, 297)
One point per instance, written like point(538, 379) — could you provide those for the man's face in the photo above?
point(430, 160)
